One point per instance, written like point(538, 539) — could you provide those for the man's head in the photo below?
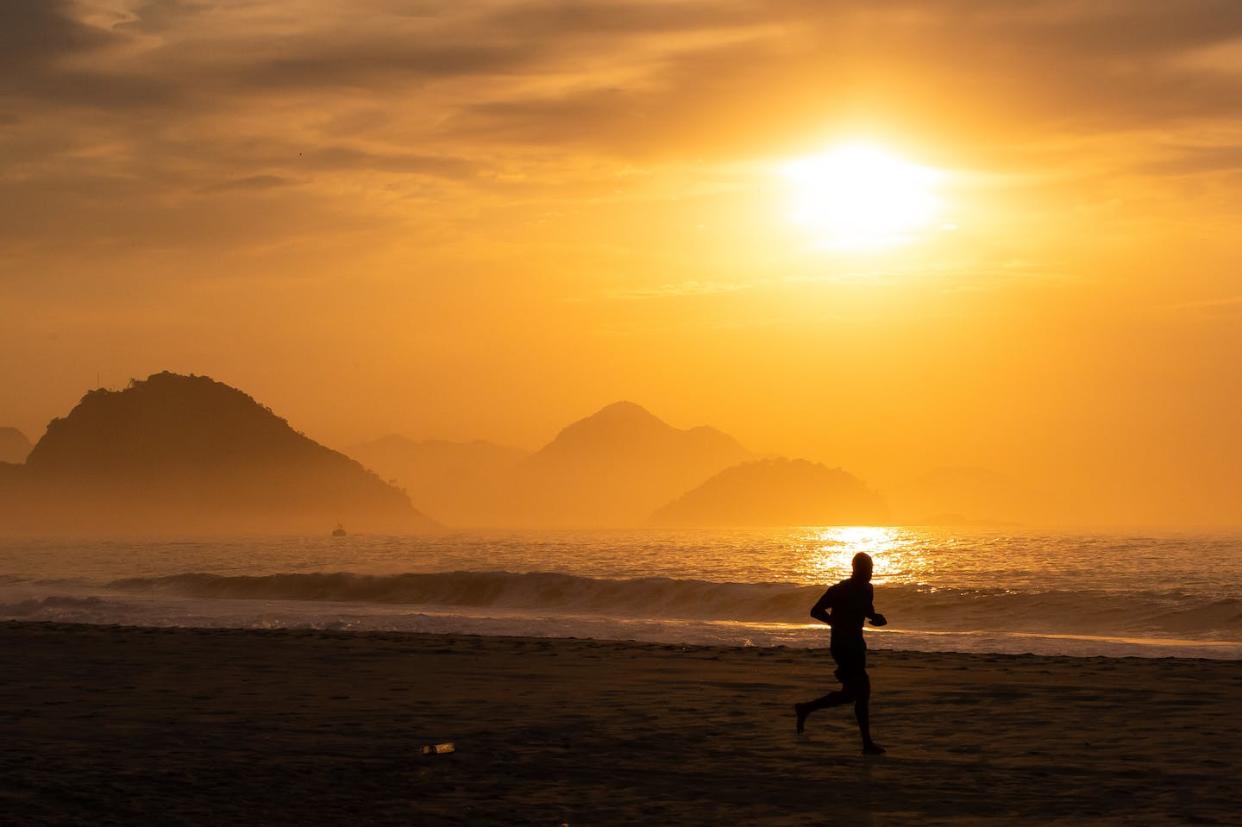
point(862, 566)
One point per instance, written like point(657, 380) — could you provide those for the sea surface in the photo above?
point(1013, 591)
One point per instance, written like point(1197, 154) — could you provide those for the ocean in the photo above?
point(1168, 595)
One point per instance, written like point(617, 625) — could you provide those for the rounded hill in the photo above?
point(179, 453)
point(776, 492)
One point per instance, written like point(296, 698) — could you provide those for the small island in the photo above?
point(776, 492)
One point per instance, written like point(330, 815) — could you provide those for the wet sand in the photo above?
point(106, 725)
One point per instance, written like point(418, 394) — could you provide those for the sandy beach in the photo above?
point(107, 725)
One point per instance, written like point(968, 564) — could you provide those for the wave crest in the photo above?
point(1082, 612)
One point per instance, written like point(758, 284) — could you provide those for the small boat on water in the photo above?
point(339, 531)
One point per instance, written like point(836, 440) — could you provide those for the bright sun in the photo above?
point(860, 197)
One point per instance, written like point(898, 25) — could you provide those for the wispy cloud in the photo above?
point(250, 183)
point(170, 99)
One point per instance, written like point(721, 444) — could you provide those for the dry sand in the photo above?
point(104, 725)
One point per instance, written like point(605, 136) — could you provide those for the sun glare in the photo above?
point(861, 197)
point(837, 546)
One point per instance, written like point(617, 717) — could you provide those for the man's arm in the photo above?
point(820, 610)
point(875, 617)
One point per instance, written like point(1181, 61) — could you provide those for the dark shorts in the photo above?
point(851, 662)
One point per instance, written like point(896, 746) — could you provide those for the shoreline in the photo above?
point(681, 645)
point(448, 620)
point(282, 726)
point(623, 642)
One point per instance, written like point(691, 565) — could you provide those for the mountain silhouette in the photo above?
point(14, 447)
point(462, 483)
point(613, 467)
point(776, 492)
point(179, 453)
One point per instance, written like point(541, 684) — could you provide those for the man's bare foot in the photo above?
point(873, 749)
point(801, 711)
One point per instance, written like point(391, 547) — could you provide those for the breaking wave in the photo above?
point(1168, 613)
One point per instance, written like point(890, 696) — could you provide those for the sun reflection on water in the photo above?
point(891, 550)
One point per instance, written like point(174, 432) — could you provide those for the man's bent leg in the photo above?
point(839, 697)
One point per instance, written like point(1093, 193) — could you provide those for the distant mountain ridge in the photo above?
point(619, 427)
point(613, 467)
point(608, 469)
point(776, 492)
point(186, 453)
point(14, 446)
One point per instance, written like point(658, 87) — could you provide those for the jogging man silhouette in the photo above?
point(850, 602)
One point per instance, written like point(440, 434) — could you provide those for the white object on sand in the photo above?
point(438, 749)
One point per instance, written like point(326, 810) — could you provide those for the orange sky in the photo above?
point(462, 220)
